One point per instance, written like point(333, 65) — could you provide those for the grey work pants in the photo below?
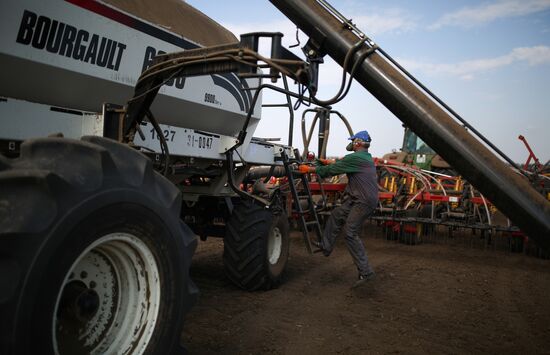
point(352, 214)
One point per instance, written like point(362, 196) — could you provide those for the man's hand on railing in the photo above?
point(304, 169)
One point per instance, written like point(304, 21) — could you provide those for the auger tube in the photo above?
point(509, 191)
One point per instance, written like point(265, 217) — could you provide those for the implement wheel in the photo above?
point(95, 259)
point(256, 247)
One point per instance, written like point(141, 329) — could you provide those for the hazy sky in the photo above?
point(490, 61)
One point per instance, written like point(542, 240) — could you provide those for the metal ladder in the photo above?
point(310, 211)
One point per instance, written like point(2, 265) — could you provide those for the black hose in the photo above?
point(163, 143)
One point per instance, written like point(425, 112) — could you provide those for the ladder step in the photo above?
point(302, 211)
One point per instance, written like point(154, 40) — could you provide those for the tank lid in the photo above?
point(178, 17)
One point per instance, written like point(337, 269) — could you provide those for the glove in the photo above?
point(304, 169)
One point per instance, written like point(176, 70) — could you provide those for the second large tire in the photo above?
point(256, 246)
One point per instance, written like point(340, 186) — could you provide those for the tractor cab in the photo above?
point(416, 152)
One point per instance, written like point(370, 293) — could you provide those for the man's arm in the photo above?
point(351, 163)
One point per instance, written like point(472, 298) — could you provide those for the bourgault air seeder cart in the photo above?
point(116, 155)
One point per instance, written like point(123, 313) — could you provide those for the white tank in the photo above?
point(80, 54)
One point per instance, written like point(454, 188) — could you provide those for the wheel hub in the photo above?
point(78, 303)
point(110, 299)
point(274, 245)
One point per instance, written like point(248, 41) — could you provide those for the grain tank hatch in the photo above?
point(178, 17)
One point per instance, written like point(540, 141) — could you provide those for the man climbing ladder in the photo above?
point(359, 201)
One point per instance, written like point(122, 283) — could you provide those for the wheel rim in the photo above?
point(109, 300)
point(274, 245)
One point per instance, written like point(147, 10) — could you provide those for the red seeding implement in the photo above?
point(419, 192)
point(416, 205)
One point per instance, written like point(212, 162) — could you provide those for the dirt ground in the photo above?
point(438, 298)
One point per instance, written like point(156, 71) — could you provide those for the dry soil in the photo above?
point(438, 298)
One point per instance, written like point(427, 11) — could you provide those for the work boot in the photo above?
point(320, 248)
point(363, 279)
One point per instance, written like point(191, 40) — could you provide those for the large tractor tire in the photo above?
point(256, 246)
point(94, 258)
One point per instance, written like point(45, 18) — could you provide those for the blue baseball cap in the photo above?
point(363, 135)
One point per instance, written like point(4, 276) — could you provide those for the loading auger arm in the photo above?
point(423, 113)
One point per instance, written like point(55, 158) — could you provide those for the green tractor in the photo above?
point(417, 153)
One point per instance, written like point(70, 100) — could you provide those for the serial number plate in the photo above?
point(199, 141)
point(193, 140)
